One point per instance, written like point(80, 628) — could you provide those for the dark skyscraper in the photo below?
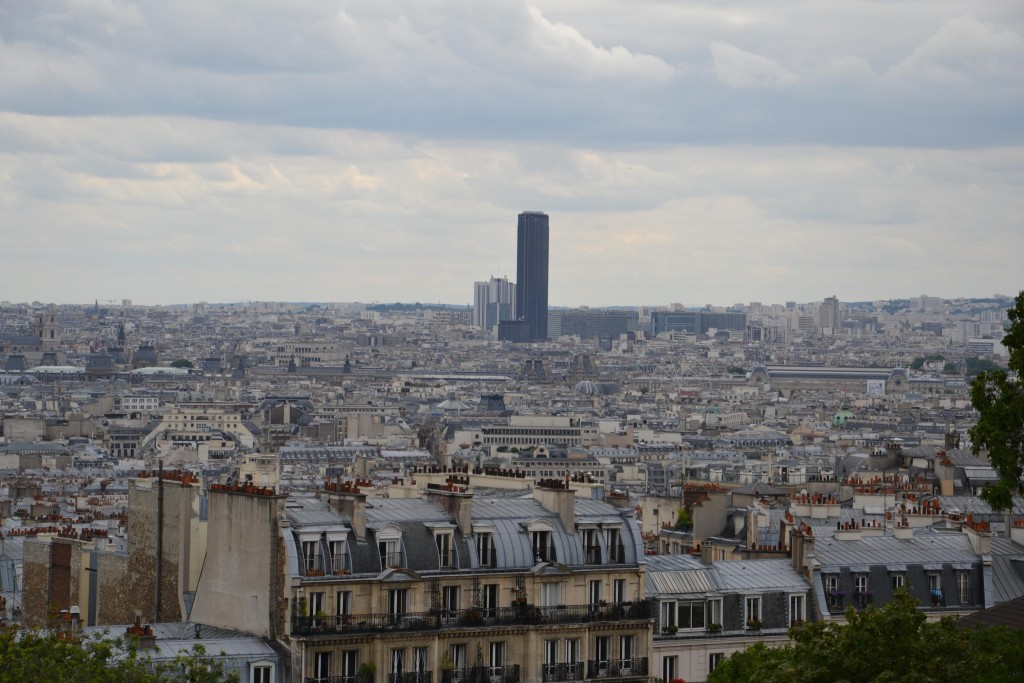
point(532, 273)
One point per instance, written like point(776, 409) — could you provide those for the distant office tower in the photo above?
point(828, 316)
point(493, 301)
point(532, 273)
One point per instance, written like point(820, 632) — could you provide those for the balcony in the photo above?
point(569, 671)
point(471, 618)
point(593, 554)
point(446, 558)
point(357, 678)
point(341, 564)
point(482, 674)
point(394, 560)
point(489, 558)
point(617, 668)
point(544, 554)
point(617, 554)
point(411, 677)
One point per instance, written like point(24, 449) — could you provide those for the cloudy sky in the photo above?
point(707, 151)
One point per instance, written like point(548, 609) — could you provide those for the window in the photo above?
point(602, 650)
point(619, 590)
point(458, 655)
point(550, 594)
point(752, 609)
point(349, 665)
point(615, 551)
point(595, 592)
point(550, 660)
point(860, 582)
point(420, 659)
point(321, 666)
point(963, 587)
point(450, 598)
point(343, 603)
point(591, 548)
point(397, 661)
point(835, 596)
point(316, 603)
point(311, 556)
point(489, 598)
point(262, 673)
point(897, 581)
point(338, 563)
point(935, 591)
point(390, 552)
point(627, 647)
point(398, 601)
point(714, 659)
point(715, 612)
point(797, 611)
point(542, 550)
point(446, 554)
point(690, 614)
point(497, 657)
point(668, 617)
point(669, 666)
point(485, 550)
point(573, 666)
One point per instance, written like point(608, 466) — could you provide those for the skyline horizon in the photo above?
point(236, 302)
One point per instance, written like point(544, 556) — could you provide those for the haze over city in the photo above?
point(699, 152)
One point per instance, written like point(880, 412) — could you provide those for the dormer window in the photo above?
point(485, 549)
point(312, 560)
point(339, 559)
point(389, 545)
point(591, 547)
point(616, 553)
point(445, 549)
point(541, 542)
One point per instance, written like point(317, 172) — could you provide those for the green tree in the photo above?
point(998, 396)
point(44, 656)
point(892, 643)
point(182, 363)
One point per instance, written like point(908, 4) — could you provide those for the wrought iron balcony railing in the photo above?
point(411, 677)
point(482, 674)
point(355, 678)
point(617, 668)
point(472, 617)
point(568, 671)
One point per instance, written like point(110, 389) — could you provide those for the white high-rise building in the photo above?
point(493, 301)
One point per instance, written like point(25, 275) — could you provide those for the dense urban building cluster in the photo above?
point(354, 493)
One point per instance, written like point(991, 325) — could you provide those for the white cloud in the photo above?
point(964, 51)
point(740, 69)
point(565, 45)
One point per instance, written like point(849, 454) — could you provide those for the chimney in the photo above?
point(456, 501)
point(980, 537)
point(557, 497)
point(707, 552)
point(347, 500)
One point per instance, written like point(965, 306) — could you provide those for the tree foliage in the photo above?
point(879, 645)
point(43, 656)
point(182, 363)
point(998, 396)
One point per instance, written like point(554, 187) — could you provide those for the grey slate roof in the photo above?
point(742, 576)
point(925, 548)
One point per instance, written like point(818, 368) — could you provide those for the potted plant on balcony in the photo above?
point(474, 616)
point(754, 624)
point(714, 628)
point(670, 630)
point(366, 671)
